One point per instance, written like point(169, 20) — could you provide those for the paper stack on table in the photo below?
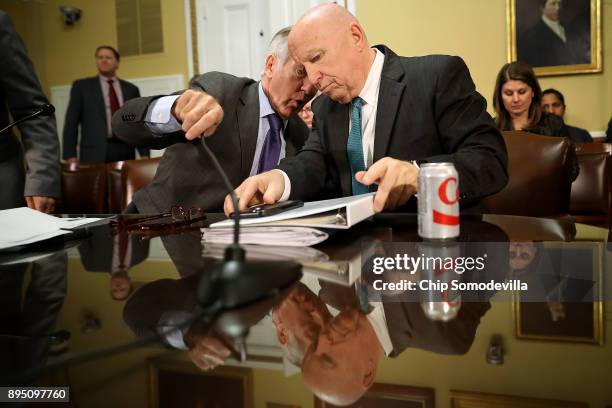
point(21, 226)
point(281, 236)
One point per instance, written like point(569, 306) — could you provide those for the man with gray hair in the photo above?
point(250, 127)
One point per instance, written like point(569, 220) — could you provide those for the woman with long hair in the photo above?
point(516, 101)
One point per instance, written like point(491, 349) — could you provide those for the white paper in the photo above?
point(21, 226)
point(280, 236)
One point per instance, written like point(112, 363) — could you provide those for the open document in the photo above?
point(338, 213)
point(21, 226)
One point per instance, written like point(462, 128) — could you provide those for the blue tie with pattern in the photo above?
point(354, 148)
point(270, 151)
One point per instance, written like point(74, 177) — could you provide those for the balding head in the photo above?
point(332, 46)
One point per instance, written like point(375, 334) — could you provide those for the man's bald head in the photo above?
point(332, 46)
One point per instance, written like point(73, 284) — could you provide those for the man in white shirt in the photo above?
point(380, 117)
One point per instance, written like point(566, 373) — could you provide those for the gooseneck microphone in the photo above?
point(237, 283)
point(44, 110)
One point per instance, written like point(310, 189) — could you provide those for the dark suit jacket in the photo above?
point(579, 135)
point(409, 327)
point(86, 108)
point(609, 132)
point(20, 94)
point(539, 46)
point(97, 250)
point(185, 175)
point(428, 110)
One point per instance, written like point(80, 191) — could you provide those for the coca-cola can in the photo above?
point(440, 300)
point(438, 201)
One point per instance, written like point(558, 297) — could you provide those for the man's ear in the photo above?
point(281, 335)
point(270, 65)
point(357, 35)
point(370, 375)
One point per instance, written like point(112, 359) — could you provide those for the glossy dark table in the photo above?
point(115, 356)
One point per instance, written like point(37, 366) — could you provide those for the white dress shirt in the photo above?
point(379, 323)
point(556, 27)
point(107, 108)
point(369, 95)
point(159, 120)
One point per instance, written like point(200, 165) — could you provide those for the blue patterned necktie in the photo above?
point(354, 148)
point(270, 151)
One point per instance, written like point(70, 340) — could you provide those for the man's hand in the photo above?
point(206, 349)
point(397, 181)
point(266, 187)
point(199, 113)
point(72, 160)
point(42, 204)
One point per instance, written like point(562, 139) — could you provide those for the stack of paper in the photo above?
point(21, 226)
point(280, 236)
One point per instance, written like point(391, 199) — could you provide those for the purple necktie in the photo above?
point(270, 151)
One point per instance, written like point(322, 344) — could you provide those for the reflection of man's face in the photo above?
point(342, 363)
point(121, 286)
point(521, 254)
point(299, 318)
point(551, 9)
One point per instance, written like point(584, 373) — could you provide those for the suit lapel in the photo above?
point(248, 126)
point(338, 122)
point(98, 96)
point(389, 96)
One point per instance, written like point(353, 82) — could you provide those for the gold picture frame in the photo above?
point(236, 379)
point(529, 321)
point(531, 41)
point(468, 399)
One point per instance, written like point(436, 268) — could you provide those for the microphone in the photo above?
point(44, 110)
point(237, 283)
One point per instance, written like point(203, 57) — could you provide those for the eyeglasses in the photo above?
point(181, 218)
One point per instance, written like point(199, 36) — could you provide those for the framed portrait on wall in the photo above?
point(468, 399)
point(565, 303)
point(555, 37)
point(391, 396)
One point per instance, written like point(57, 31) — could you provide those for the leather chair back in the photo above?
point(591, 197)
point(115, 187)
point(138, 174)
point(83, 188)
point(539, 182)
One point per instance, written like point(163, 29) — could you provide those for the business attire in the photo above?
point(20, 94)
point(548, 43)
point(609, 132)
point(423, 109)
point(92, 103)
point(579, 135)
point(186, 175)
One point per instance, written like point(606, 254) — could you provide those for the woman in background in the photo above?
point(517, 100)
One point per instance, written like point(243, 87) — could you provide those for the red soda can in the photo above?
point(438, 201)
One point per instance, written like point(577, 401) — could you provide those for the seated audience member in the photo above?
point(93, 101)
point(252, 125)
point(517, 103)
point(374, 126)
point(609, 132)
point(306, 114)
point(553, 102)
point(29, 166)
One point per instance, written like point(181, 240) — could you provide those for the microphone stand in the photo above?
point(45, 110)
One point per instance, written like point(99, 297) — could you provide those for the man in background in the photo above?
point(554, 102)
point(92, 104)
point(37, 183)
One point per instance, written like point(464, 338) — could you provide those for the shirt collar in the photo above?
point(369, 93)
point(551, 23)
point(265, 108)
point(105, 79)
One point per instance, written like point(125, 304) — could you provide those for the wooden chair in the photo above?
point(83, 188)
